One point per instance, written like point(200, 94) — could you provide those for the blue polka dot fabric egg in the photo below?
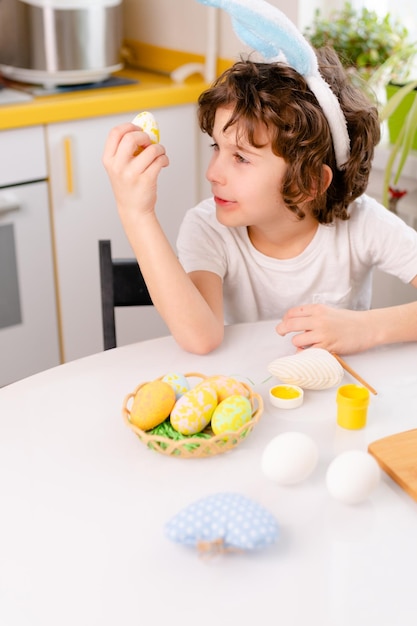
point(224, 522)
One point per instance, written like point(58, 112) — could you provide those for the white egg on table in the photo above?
point(289, 458)
point(352, 476)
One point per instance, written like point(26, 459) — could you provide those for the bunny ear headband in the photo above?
point(268, 31)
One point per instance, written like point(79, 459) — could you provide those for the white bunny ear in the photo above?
point(267, 30)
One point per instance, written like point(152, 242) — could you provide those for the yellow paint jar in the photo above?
point(352, 406)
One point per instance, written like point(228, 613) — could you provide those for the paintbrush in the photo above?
point(354, 374)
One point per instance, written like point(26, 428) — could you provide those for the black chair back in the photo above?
point(122, 284)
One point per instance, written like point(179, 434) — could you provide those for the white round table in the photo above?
point(83, 503)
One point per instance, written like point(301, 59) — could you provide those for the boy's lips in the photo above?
point(223, 201)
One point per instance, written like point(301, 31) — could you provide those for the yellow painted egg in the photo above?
point(193, 411)
point(178, 382)
point(226, 386)
point(148, 124)
point(231, 414)
point(152, 404)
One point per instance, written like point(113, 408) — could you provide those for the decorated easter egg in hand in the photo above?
point(226, 386)
point(193, 411)
point(148, 124)
point(178, 382)
point(152, 404)
point(224, 522)
point(231, 414)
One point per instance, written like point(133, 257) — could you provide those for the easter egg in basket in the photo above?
point(152, 404)
point(231, 414)
point(179, 383)
point(193, 411)
point(226, 386)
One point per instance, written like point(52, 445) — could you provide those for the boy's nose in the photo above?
point(215, 173)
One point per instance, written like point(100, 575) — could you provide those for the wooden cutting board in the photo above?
point(397, 456)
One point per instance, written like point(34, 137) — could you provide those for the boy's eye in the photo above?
point(239, 158)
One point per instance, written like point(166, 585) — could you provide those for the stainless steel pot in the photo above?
point(58, 42)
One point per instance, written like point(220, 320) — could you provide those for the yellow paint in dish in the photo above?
point(286, 396)
point(285, 392)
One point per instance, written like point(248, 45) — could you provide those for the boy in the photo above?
point(289, 234)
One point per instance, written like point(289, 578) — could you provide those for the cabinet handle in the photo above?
point(8, 202)
point(68, 165)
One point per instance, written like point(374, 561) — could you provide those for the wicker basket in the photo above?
point(193, 447)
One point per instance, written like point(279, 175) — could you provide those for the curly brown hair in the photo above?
point(278, 97)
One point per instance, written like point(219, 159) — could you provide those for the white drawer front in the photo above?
point(22, 155)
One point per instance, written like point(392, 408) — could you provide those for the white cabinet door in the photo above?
point(84, 211)
point(28, 320)
point(28, 330)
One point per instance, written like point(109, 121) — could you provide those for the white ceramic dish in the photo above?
point(286, 396)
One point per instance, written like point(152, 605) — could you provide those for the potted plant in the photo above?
point(370, 47)
point(400, 111)
point(378, 55)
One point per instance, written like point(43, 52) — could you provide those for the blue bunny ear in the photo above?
point(268, 31)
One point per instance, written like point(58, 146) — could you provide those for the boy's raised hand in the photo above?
point(133, 163)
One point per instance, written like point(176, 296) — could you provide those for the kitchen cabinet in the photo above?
point(84, 211)
point(28, 318)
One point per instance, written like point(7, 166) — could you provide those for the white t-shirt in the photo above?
point(334, 269)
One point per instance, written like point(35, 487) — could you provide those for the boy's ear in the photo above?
point(319, 187)
point(327, 177)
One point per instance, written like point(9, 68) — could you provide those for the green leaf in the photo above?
point(392, 104)
point(389, 166)
point(410, 128)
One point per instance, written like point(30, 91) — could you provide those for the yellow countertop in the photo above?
point(153, 90)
